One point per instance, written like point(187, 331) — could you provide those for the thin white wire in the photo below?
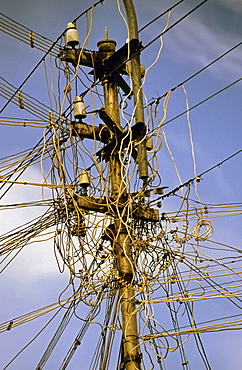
point(191, 140)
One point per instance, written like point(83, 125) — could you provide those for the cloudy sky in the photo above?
point(33, 280)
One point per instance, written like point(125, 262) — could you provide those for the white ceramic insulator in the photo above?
point(79, 108)
point(71, 36)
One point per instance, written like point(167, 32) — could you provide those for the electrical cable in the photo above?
point(143, 47)
point(172, 192)
point(174, 24)
point(62, 326)
point(43, 58)
point(82, 331)
point(160, 15)
point(27, 102)
point(22, 33)
point(203, 101)
point(32, 340)
point(155, 101)
point(97, 222)
point(18, 168)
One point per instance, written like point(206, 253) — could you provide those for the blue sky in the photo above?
point(33, 280)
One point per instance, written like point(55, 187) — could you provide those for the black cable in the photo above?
point(156, 101)
point(32, 340)
point(62, 326)
point(30, 74)
point(31, 103)
point(87, 10)
point(159, 16)
point(138, 52)
point(172, 192)
point(42, 59)
point(192, 322)
point(34, 203)
point(215, 285)
point(173, 25)
point(22, 119)
point(211, 204)
point(90, 316)
point(219, 164)
point(26, 28)
point(202, 101)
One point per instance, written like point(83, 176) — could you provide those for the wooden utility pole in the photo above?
point(121, 240)
point(108, 66)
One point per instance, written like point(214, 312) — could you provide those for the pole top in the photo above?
point(106, 44)
point(106, 32)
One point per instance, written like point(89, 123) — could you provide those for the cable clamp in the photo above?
point(130, 358)
point(51, 118)
point(20, 100)
point(10, 325)
point(31, 39)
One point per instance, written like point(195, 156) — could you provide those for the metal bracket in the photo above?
point(115, 64)
point(137, 132)
point(109, 122)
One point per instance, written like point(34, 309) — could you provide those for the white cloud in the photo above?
point(196, 42)
point(235, 5)
point(202, 37)
point(36, 259)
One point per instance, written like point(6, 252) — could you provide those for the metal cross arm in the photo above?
point(114, 65)
point(113, 127)
point(124, 53)
point(108, 69)
point(118, 58)
point(137, 132)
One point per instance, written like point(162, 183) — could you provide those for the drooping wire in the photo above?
point(155, 101)
point(203, 101)
point(174, 24)
point(160, 15)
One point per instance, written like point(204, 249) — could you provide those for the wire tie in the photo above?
point(20, 100)
point(50, 117)
point(31, 39)
point(10, 325)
